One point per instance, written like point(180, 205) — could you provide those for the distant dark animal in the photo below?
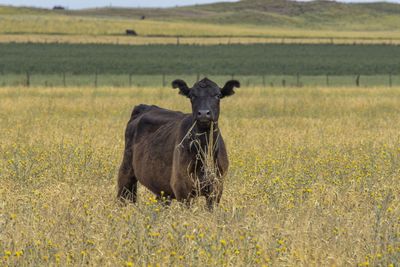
point(167, 150)
point(58, 8)
point(130, 32)
point(143, 17)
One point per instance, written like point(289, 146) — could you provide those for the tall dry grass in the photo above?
point(314, 180)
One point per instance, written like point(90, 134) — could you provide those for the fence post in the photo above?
point(358, 80)
point(163, 80)
point(28, 79)
point(95, 79)
point(64, 81)
point(283, 82)
point(198, 77)
point(298, 80)
point(390, 79)
point(327, 80)
point(232, 76)
point(130, 79)
point(263, 80)
point(177, 40)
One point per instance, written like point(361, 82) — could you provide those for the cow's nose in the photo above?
point(204, 114)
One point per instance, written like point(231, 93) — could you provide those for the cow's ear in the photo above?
point(227, 90)
point(183, 88)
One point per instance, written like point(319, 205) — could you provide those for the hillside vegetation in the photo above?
point(314, 14)
point(256, 18)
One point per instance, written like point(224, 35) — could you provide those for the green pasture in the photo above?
point(258, 59)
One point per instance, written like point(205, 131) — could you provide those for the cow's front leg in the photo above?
point(214, 196)
point(183, 193)
point(182, 188)
point(181, 181)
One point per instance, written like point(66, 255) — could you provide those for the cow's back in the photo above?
point(151, 137)
point(146, 119)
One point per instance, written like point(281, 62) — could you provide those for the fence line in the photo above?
point(194, 40)
point(297, 80)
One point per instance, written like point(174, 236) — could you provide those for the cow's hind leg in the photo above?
point(127, 182)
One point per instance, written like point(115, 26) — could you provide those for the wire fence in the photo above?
point(191, 40)
point(64, 79)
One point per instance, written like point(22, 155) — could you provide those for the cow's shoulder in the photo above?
point(142, 109)
point(146, 120)
point(160, 116)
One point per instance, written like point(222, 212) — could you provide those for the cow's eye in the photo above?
point(218, 96)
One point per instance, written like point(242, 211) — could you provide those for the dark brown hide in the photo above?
point(162, 151)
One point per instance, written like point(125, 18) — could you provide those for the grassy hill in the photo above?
point(315, 14)
point(246, 18)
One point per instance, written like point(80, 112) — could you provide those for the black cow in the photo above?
point(58, 8)
point(131, 32)
point(176, 155)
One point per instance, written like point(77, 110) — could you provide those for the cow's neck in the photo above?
point(204, 153)
point(205, 137)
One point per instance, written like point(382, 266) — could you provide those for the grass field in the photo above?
point(314, 180)
point(257, 59)
point(250, 21)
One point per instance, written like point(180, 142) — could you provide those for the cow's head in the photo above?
point(205, 96)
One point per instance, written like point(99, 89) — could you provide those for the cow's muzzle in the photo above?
point(204, 115)
point(204, 118)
